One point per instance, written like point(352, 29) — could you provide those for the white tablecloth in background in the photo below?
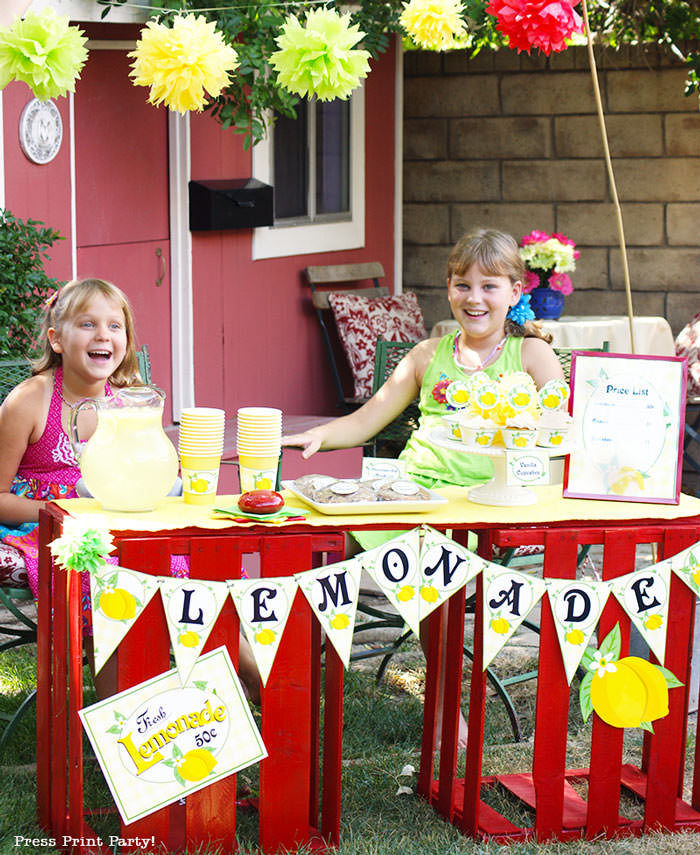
point(652, 335)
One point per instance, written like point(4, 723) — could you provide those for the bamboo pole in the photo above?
point(611, 175)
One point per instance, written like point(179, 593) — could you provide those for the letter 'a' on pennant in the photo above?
point(686, 565)
point(118, 597)
point(509, 597)
point(263, 606)
point(576, 608)
point(191, 609)
point(445, 567)
point(644, 595)
point(394, 566)
point(332, 592)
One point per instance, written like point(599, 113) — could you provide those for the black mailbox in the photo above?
point(240, 203)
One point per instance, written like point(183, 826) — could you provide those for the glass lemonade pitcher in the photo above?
point(128, 464)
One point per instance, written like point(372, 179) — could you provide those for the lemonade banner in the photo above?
point(508, 598)
point(118, 597)
point(686, 565)
point(263, 606)
point(191, 609)
point(576, 608)
point(644, 595)
point(160, 741)
point(445, 567)
point(332, 592)
point(394, 566)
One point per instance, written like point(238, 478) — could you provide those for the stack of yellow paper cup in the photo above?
point(200, 443)
point(258, 436)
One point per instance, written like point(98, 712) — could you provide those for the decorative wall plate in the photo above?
point(40, 130)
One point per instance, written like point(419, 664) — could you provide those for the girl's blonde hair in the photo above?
point(69, 302)
point(497, 254)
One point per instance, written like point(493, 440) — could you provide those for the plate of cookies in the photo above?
point(340, 496)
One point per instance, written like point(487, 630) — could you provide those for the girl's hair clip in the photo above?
point(521, 311)
point(51, 300)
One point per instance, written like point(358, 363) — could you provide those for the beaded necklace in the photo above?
point(480, 365)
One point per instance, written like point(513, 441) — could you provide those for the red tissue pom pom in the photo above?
point(544, 24)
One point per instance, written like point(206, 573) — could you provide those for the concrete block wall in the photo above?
point(514, 142)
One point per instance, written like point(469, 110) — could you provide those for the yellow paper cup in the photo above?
point(200, 475)
point(257, 473)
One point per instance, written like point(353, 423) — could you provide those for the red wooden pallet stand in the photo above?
point(560, 812)
point(299, 798)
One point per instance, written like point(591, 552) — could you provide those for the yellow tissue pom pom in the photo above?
point(434, 24)
point(181, 63)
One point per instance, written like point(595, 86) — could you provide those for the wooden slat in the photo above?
point(320, 298)
point(332, 274)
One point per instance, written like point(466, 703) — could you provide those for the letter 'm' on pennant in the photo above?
point(445, 567)
point(644, 595)
point(576, 609)
point(394, 566)
point(191, 609)
point(332, 592)
point(509, 597)
point(119, 595)
point(686, 565)
point(263, 606)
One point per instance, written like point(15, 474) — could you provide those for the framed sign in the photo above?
point(629, 413)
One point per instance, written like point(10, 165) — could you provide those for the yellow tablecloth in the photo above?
point(173, 513)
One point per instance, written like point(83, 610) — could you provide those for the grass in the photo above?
point(382, 731)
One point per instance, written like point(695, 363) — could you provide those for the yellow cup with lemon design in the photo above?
point(200, 476)
point(257, 473)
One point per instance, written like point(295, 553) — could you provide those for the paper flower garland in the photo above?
point(84, 544)
point(318, 58)
point(433, 24)
point(179, 64)
point(544, 24)
point(44, 52)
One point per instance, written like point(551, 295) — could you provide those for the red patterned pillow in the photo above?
point(687, 344)
point(360, 321)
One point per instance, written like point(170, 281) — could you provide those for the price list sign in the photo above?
point(628, 413)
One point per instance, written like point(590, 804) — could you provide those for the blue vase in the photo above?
point(546, 304)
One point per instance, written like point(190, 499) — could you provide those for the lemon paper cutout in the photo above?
point(340, 621)
point(405, 593)
point(554, 394)
point(500, 625)
point(265, 636)
point(457, 394)
point(188, 638)
point(623, 692)
point(429, 593)
point(117, 604)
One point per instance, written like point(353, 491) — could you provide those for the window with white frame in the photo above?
point(316, 166)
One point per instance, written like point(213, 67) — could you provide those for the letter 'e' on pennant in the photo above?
point(394, 567)
point(332, 592)
point(263, 606)
point(576, 608)
point(191, 609)
point(644, 595)
point(445, 567)
point(509, 597)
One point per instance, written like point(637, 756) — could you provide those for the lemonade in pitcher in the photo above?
point(128, 464)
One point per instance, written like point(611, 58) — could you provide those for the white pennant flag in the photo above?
point(686, 565)
point(191, 609)
point(509, 597)
point(445, 567)
point(332, 592)
point(118, 597)
point(576, 608)
point(394, 566)
point(263, 606)
point(644, 595)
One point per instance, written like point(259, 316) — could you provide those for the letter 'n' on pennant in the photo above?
point(263, 606)
point(445, 567)
point(576, 608)
point(332, 592)
point(509, 597)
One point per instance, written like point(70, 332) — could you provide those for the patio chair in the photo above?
point(392, 438)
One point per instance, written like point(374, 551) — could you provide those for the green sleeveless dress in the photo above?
point(426, 463)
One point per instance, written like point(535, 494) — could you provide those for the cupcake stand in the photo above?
point(496, 491)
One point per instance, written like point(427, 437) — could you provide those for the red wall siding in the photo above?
point(257, 340)
point(33, 191)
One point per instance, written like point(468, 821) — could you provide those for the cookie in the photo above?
point(343, 491)
point(402, 490)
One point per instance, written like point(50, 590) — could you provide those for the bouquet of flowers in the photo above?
point(549, 259)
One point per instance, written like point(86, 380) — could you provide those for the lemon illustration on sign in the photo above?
point(265, 636)
point(197, 484)
point(653, 622)
point(575, 636)
point(188, 638)
point(429, 593)
point(627, 480)
point(117, 604)
point(405, 593)
point(196, 764)
point(634, 692)
point(340, 621)
point(500, 625)
point(262, 482)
